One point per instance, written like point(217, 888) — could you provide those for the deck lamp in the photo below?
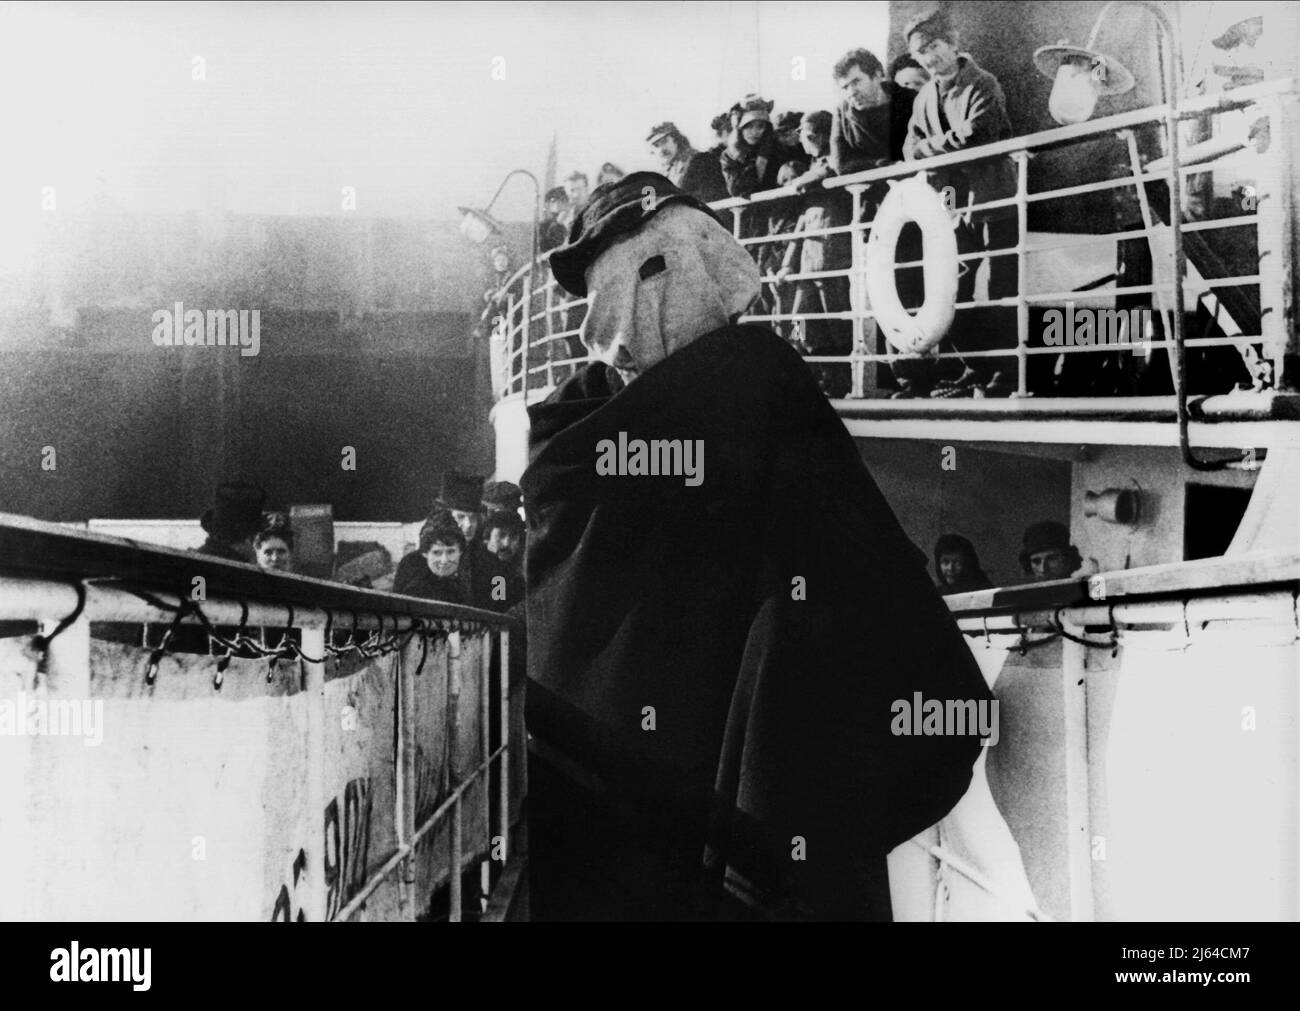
point(1075, 91)
point(479, 227)
point(1081, 75)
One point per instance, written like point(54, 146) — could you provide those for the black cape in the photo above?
point(762, 622)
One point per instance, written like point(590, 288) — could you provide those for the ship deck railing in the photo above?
point(1147, 762)
point(393, 717)
point(536, 333)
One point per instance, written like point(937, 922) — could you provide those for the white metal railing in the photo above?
point(536, 337)
point(1112, 634)
point(414, 677)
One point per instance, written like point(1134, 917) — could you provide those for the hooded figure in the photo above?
point(963, 572)
point(714, 679)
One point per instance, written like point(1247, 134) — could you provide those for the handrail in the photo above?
point(1209, 576)
point(35, 549)
point(551, 315)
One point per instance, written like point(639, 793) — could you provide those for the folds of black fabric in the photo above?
point(722, 657)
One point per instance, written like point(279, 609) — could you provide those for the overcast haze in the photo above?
point(396, 100)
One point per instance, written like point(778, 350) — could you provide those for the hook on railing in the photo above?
point(155, 657)
point(42, 642)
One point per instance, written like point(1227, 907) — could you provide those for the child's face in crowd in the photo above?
point(952, 567)
point(813, 142)
point(911, 78)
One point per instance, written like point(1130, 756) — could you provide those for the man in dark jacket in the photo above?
point(711, 674)
point(864, 134)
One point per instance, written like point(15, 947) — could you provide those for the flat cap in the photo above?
point(612, 211)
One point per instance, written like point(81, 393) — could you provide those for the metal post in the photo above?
point(525, 324)
point(1273, 230)
point(503, 799)
point(484, 729)
point(453, 722)
point(550, 334)
point(406, 773)
point(1074, 685)
point(858, 297)
point(1022, 273)
point(313, 644)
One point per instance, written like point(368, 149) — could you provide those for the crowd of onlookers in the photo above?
point(469, 550)
point(1046, 553)
point(471, 547)
point(933, 99)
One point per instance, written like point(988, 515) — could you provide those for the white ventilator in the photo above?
point(913, 200)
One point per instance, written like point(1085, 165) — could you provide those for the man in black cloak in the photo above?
point(722, 609)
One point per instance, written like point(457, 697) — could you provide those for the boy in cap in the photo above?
point(787, 134)
point(960, 107)
point(812, 254)
point(697, 649)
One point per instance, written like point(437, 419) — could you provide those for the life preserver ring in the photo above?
point(913, 199)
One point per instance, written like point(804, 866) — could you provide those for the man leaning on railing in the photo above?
point(962, 106)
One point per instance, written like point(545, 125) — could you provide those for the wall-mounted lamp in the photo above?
point(479, 227)
point(1081, 76)
point(1114, 505)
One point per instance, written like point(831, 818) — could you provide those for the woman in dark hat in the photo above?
point(754, 156)
point(957, 566)
point(437, 576)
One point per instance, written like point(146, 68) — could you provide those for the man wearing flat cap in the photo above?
point(711, 674)
point(698, 173)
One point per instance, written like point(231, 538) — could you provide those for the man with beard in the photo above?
point(503, 535)
point(712, 676)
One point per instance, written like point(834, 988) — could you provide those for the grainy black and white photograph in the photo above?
point(650, 462)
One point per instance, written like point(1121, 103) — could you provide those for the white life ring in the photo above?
point(913, 200)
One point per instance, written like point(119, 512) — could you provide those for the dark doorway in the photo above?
point(1212, 515)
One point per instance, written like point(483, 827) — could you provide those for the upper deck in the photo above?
point(1220, 374)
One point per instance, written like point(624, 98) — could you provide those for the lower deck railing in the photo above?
point(240, 753)
point(1148, 762)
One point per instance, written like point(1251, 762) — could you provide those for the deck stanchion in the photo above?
point(406, 783)
point(1022, 272)
point(503, 799)
point(857, 297)
point(316, 905)
point(453, 729)
point(485, 753)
